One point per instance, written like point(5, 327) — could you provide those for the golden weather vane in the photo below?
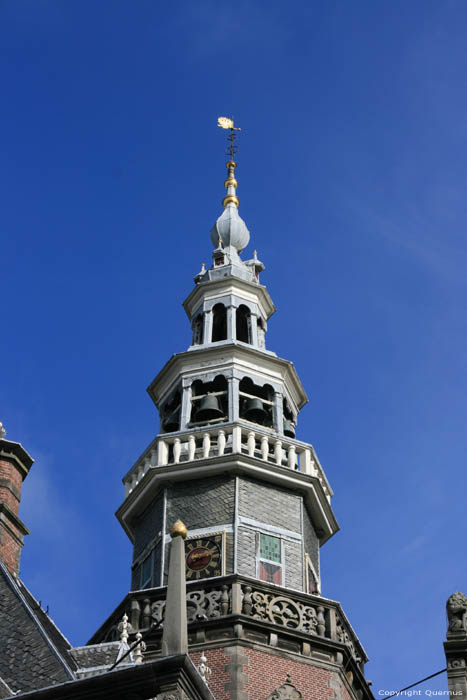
point(226, 123)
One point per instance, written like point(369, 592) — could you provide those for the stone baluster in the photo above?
point(321, 627)
point(127, 487)
point(221, 443)
point(291, 457)
point(141, 471)
point(225, 600)
point(146, 618)
point(236, 439)
point(177, 450)
point(264, 447)
point(153, 458)
point(247, 601)
point(191, 447)
point(206, 445)
point(162, 453)
point(134, 481)
point(278, 452)
point(251, 443)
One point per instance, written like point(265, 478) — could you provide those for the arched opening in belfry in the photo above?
point(219, 323)
point(198, 330)
point(170, 413)
point(209, 401)
point(289, 419)
point(243, 324)
point(256, 402)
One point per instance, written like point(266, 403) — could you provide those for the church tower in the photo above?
point(255, 500)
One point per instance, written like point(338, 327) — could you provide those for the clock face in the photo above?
point(203, 557)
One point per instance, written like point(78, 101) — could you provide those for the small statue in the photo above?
point(456, 608)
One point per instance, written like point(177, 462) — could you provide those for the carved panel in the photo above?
point(201, 605)
point(282, 610)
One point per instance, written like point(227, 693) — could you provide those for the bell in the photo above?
point(172, 422)
point(289, 428)
point(209, 408)
point(254, 411)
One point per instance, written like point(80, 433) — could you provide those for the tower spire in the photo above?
point(230, 231)
point(231, 183)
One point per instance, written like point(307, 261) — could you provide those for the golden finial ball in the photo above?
point(179, 529)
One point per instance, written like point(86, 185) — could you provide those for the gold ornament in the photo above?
point(179, 529)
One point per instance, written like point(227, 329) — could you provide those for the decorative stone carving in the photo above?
point(286, 691)
point(344, 637)
point(204, 605)
point(456, 663)
point(201, 605)
point(284, 611)
point(2, 431)
point(456, 608)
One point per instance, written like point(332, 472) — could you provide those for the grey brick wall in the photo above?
point(246, 555)
point(293, 564)
point(311, 540)
point(149, 525)
point(202, 503)
point(269, 504)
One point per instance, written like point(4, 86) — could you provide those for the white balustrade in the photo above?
point(217, 442)
point(251, 443)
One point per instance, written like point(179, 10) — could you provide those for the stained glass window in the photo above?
point(270, 572)
point(270, 547)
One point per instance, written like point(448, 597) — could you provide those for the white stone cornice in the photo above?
point(219, 359)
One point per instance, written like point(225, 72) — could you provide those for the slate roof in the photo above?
point(33, 652)
point(95, 658)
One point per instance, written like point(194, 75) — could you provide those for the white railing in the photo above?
point(215, 442)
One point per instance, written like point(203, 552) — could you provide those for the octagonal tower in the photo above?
point(255, 500)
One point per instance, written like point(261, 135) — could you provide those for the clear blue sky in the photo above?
point(352, 175)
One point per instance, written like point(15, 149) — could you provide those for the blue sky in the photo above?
point(352, 179)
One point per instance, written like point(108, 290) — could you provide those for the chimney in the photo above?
point(15, 464)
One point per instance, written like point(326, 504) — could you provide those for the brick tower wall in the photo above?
point(245, 673)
